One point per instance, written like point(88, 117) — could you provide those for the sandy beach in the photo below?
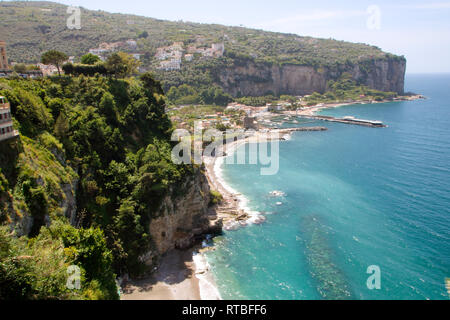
point(174, 280)
point(182, 275)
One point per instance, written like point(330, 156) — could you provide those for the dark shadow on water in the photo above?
point(331, 282)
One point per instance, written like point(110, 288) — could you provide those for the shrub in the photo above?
point(215, 198)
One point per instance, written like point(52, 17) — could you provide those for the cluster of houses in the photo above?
point(248, 117)
point(215, 51)
point(171, 57)
point(105, 48)
point(208, 121)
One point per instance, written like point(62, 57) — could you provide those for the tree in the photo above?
point(55, 58)
point(90, 59)
point(61, 126)
point(151, 84)
point(143, 34)
point(20, 68)
point(121, 65)
point(127, 223)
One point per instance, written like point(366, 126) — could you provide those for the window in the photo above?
point(1, 116)
point(3, 130)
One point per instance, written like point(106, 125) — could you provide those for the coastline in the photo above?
point(186, 275)
point(174, 280)
point(311, 111)
point(182, 275)
point(234, 210)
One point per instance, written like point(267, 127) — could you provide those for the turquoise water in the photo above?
point(354, 197)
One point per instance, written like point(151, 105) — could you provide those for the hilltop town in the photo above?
point(171, 57)
point(166, 58)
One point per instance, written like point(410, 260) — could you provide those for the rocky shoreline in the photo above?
point(233, 210)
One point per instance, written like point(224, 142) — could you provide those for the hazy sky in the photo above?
point(419, 29)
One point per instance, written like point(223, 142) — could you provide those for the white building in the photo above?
point(174, 64)
point(218, 48)
point(98, 52)
point(6, 125)
point(47, 70)
point(132, 44)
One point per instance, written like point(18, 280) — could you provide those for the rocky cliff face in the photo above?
point(183, 219)
point(16, 155)
point(253, 79)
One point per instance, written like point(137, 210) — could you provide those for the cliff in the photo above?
point(25, 163)
point(184, 219)
point(91, 173)
point(100, 158)
point(258, 79)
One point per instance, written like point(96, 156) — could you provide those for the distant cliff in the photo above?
point(257, 79)
point(253, 63)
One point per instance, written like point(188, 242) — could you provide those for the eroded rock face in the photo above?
point(252, 79)
point(387, 75)
point(184, 219)
point(69, 204)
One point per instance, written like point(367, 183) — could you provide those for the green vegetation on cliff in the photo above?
point(82, 183)
point(42, 25)
point(345, 89)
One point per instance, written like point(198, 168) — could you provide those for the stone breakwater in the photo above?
point(290, 130)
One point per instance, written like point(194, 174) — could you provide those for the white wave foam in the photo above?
point(208, 288)
point(255, 217)
point(277, 193)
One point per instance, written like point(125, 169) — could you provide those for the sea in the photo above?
point(358, 212)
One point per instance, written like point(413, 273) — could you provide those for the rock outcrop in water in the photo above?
point(258, 79)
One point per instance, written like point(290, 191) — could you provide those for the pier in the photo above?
point(349, 120)
point(303, 129)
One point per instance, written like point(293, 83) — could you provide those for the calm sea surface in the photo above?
point(354, 197)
